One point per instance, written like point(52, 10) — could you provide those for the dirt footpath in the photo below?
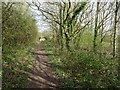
point(41, 74)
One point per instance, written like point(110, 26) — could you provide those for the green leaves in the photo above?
point(86, 69)
point(19, 28)
point(19, 33)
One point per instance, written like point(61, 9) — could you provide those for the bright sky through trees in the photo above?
point(43, 26)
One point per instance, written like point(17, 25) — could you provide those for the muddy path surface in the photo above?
point(41, 74)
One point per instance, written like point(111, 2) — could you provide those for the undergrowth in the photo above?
point(15, 63)
point(81, 69)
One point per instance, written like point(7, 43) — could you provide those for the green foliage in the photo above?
point(86, 39)
point(19, 34)
point(82, 68)
point(18, 29)
point(85, 69)
point(14, 66)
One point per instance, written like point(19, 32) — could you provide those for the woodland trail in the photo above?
point(41, 73)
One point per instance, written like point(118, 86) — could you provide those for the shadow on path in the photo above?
point(41, 74)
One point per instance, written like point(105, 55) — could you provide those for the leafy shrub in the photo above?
point(14, 67)
point(19, 34)
point(86, 69)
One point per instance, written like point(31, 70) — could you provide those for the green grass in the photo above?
point(15, 64)
point(83, 68)
point(105, 44)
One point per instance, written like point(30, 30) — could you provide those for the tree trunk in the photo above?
point(60, 27)
point(67, 42)
point(114, 33)
point(95, 30)
point(119, 39)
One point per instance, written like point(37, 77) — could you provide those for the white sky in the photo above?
point(54, 0)
point(42, 25)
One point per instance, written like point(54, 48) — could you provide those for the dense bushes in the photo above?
point(19, 28)
point(86, 69)
point(15, 63)
point(83, 68)
point(19, 32)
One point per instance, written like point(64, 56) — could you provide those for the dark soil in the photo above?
point(41, 74)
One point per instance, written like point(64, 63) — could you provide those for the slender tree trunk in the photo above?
point(114, 33)
point(111, 33)
point(101, 34)
point(78, 42)
point(119, 39)
point(95, 30)
point(67, 42)
point(119, 29)
point(60, 27)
